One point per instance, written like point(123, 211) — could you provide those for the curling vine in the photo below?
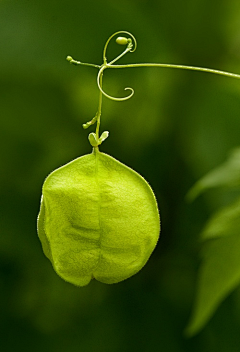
point(131, 45)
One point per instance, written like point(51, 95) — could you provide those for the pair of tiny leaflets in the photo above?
point(98, 220)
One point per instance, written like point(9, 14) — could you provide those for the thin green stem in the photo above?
point(119, 56)
point(183, 67)
point(75, 62)
point(99, 107)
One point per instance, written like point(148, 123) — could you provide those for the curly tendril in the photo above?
point(100, 73)
point(131, 44)
point(131, 47)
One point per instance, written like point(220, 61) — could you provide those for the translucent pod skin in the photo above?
point(98, 219)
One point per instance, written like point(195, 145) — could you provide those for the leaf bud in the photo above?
point(122, 40)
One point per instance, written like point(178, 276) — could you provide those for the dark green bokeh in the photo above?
point(177, 126)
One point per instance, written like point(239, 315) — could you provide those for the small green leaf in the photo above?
point(93, 139)
point(98, 219)
point(104, 136)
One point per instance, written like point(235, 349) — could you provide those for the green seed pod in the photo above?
point(98, 219)
point(122, 40)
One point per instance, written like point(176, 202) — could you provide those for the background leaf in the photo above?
point(219, 272)
point(225, 222)
point(219, 275)
point(227, 174)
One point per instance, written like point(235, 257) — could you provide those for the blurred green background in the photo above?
point(178, 126)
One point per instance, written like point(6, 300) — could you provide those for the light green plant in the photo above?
point(99, 218)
